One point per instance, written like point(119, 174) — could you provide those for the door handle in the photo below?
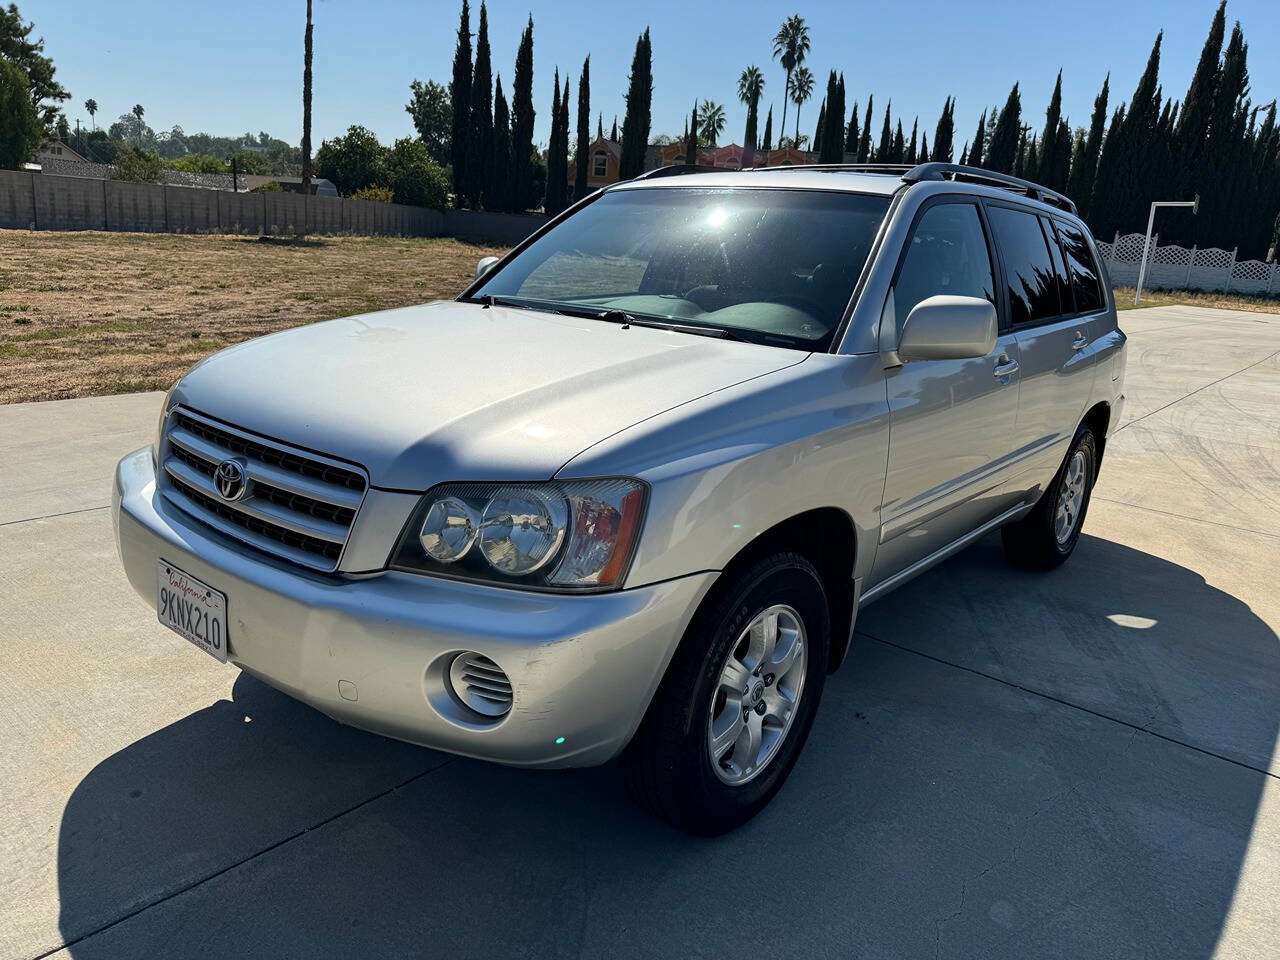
point(1080, 342)
point(1005, 367)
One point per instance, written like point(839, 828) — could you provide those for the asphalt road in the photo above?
point(1076, 764)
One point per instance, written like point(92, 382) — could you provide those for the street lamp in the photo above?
point(1146, 247)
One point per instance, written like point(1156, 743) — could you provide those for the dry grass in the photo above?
point(92, 313)
point(1171, 298)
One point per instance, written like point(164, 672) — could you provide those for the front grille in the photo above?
point(295, 504)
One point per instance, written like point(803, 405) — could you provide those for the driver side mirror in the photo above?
point(484, 266)
point(949, 328)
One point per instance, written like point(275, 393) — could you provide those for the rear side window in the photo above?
point(947, 255)
point(1061, 278)
point(1084, 269)
point(1032, 279)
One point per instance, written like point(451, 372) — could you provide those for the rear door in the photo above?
point(1053, 340)
point(951, 422)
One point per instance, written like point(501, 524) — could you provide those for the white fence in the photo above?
point(1173, 267)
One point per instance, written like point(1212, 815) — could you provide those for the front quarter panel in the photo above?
point(727, 467)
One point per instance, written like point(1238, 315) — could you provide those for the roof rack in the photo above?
point(958, 171)
point(675, 170)
point(915, 173)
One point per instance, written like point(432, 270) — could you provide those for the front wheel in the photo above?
point(735, 707)
point(1045, 537)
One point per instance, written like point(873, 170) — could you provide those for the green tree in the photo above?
point(523, 191)
point(818, 128)
point(766, 143)
point(1051, 166)
point(432, 115)
point(801, 91)
point(911, 147)
point(712, 122)
point(1084, 163)
point(20, 128)
point(1125, 176)
point(306, 104)
point(636, 121)
point(553, 202)
point(884, 150)
point(91, 105)
point(499, 195)
point(352, 161)
point(790, 47)
point(976, 148)
point(944, 133)
point(1002, 152)
point(43, 91)
point(137, 166)
point(480, 150)
point(584, 131)
point(460, 99)
point(691, 141)
point(830, 143)
point(750, 88)
point(851, 134)
point(1198, 106)
point(414, 178)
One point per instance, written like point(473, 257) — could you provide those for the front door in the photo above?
point(951, 421)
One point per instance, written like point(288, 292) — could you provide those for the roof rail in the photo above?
point(889, 168)
point(958, 171)
point(675, 170)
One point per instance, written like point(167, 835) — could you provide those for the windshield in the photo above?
point(773, 266)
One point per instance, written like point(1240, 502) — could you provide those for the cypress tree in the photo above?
point(864, 141)
point(691, 142)
point(832, 122)
point(964, 154)
point(944, 133)
point(564, 146)
point(498, 195)
point(1003, 149)
point(767, 143)
point(635, 124)
point(1125, 181)
point(522, 118)
point(600, 126)
point(584, 131)
point(898, 150)
point(1051, 163)
point(480, 149)
point(1198, 108)
point(460, 97)
point(552, 201)
point(1084, 165)
point(613, 134)
point(851, 134)
point(885, 149)
point(924, 148)
point(975, 149)
point(1223, 148)
point(911, 148)
point(819, 130)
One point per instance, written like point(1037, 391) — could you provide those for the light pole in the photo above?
point(1146, 247)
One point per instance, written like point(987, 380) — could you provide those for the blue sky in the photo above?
point(235, 65)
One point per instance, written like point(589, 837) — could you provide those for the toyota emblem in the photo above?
point(230, 479)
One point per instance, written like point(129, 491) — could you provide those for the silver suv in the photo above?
point(626, 495)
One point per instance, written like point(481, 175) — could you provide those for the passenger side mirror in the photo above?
point(948, 328)
point(484, 266)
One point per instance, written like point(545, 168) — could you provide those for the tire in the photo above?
point(668, 767)
point(1035, 541)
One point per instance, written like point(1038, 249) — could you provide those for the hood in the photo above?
point(456, 391)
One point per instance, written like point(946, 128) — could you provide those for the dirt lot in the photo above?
point(1218, 301)
point(83, 314)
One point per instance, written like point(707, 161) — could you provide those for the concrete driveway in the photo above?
point(1078, 764)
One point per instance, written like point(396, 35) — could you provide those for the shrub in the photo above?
point(415, 178)
point(271, 186)
point(137, 166)
point(375, 193)
point(352, 161)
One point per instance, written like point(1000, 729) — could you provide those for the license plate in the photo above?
point(192, 609)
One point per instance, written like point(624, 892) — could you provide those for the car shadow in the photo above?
point(935, 811)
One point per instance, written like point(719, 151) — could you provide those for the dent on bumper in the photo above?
point(582, 668)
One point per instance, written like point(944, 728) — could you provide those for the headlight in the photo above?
point(570, 535)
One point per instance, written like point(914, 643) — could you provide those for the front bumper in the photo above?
point(582, 668)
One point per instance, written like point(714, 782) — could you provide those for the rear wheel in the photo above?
point(1046, 536)
point(735, 707)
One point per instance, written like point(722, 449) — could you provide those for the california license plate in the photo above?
point(192, 609)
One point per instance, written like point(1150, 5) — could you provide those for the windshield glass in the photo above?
point(773, 266)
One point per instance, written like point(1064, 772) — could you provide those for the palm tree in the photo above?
point(750, 87)
point(92, 106)
point(137, 111)
point(801, 90)
point(711, 121)
point(790, 47)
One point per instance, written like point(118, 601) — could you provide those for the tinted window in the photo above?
point(1059, 267)
point(1033, 284)
point(780, 264)
point(1084, 270)
point(947, 256)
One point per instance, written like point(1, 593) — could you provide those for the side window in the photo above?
point(947, 255)
point(1033, 282)
point(1060, 276)
point(1084, 270)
